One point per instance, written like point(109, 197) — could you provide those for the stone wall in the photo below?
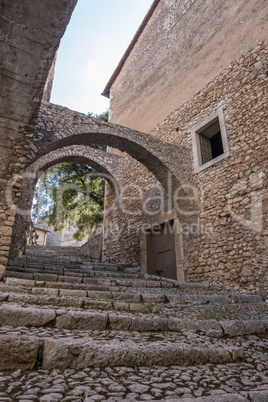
point(229, 245)
point(185, 45)
point(62, 238)
point(93, 247)
point(30, 34)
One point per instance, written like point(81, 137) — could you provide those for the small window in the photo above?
point(209, 142)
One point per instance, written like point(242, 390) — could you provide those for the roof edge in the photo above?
point(106, 91)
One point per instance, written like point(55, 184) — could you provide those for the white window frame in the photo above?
point(195, 132)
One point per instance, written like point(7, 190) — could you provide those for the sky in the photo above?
point(94, 42)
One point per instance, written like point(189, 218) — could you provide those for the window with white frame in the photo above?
point(209, 139)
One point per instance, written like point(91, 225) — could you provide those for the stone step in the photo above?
point(13, 315)
point(82, 265)
point(99, 278)
point(55, 275)
point(24, 349)
point(64, 263)
point(154, 292)
point(162, 296)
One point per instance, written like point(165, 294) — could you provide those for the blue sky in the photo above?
point(94, 42)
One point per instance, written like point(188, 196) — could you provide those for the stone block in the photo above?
point(254, 327)
point(19, 282)
point(82, 320)
point(84, 352)
point(45, 277)
point(97, 304)
point(182, 325)
point(45, 291)
point(210, 327)
point(153, 298)
point(259, 396)
point(70, 279)
point(17, 316)
point(18, 352)
point(73, 292)
point(120, 322)
point(233, 328)
point(153, 323)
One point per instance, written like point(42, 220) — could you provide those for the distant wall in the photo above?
point(186, 44)
point(93, 247)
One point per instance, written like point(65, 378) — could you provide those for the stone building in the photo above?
point(195, 76)
point(186, 168)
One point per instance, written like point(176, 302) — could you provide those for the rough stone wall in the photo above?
point(123, 221)
point(186, 44)
point(230, 248)
point(93, 247)
point(30, 34)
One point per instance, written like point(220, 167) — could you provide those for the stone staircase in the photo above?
point(62, 311)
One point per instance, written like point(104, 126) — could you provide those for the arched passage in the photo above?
point(58, 127)
point(108, 165)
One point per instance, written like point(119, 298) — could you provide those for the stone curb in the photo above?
point(82, 353)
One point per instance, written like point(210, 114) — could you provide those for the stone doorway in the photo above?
point(162, 247)
point(161, 257)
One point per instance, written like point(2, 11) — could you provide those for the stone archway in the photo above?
point(109, 166)
point(58, 127)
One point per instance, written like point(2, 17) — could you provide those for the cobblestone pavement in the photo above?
point(74, 335)
point(234, 382)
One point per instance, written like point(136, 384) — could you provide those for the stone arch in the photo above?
point(109, 166)
point(59, 127)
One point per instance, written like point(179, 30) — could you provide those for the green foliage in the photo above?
point(69, 194)
point(103, 116)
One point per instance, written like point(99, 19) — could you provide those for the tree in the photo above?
point(103, 116)
point(69, 194)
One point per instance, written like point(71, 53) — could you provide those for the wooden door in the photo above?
point(161, 257)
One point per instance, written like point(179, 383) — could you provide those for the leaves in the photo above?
point(69, 194)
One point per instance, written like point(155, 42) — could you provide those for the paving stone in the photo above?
point(259, 396)
point(15, 316)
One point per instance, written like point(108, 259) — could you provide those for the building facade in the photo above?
point(195, 76)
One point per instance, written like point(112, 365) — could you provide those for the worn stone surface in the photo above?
point(18, 352)
point(25, 316)
point(79, 354)
point(221, 383)
point(209, 362)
